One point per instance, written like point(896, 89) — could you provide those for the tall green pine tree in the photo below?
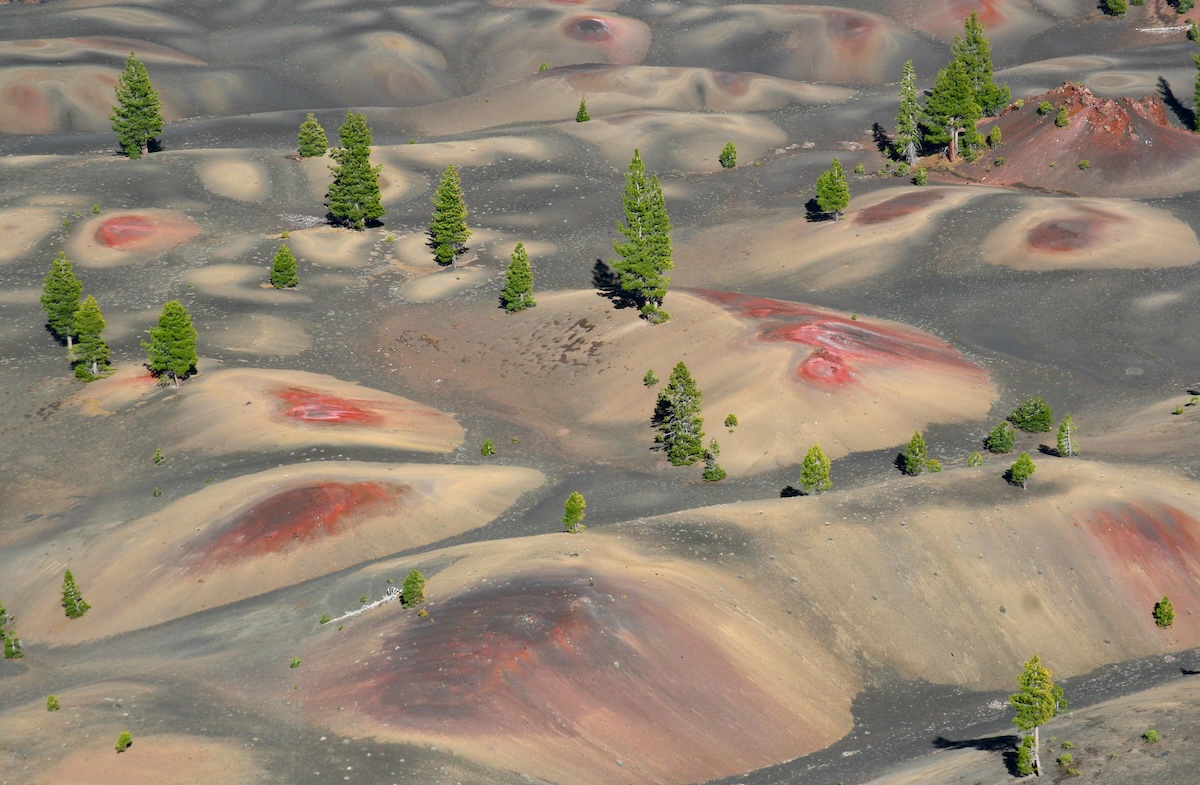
point(833, 192)
point(448, 230)
point(915, 458)
point(1036, 702)
point(907, 134)
point(61, 292)
point(951, 111)
point(573, 512)
point(311, 140)
point(91, 352)
point(172, 346)
point(646, 254)
point(814, 472)
point(137, 117)
point(518, 282)
point(974, 51)
point(283, 269)
point(680, 425)
point(354, 196)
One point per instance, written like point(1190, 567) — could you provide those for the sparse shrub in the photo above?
point(543, 67)
point(363, 598)
point(1066, 759)
point(933, 466)
point(1164, 612)
point(95, 209)
point(915, 457)
point(1021, 470)
point(975, 459)
point(860, 168)
point(295, 663)
point(1084, 165)
point(389, 239)
point(994, 137)
point(1045, 108)
point(52, 703)
point(1151, 736)
point(515, 440)
point(582, 115)
point(1062, 119)
point(156, 492)
point(72, 601)
point(901, 169)
point(573, 513)
point(422, 614)
point(1032, 416)
point(921, 177)
point(487, 448)
point(1025, 756)
point(325, 618)
point(1019, 103)
point(999, 161)
point(728, 156)
point(285, 234)
point(1066, 745)
point(413, 592)
point(650, 379)
point(158, 457)
point(731, 422)
point(126, 739)
point(1178, 410)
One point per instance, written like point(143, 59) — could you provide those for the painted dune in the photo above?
point(576, 366)
point(252, 535)
point(110, 240)
point(581, 666)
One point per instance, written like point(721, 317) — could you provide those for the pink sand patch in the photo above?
point(139, 233)
point(312, 406)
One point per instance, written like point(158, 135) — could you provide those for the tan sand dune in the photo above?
point(59, 49)
point(252, 535)
point(331, 247)
point(876, 234)
point(1070, 234)
point(437, 156)
point(134, 20)
point(385, 67)
point(575, 658)
point(488, 253)
point(1151, 431)
point(234, 177)
point(1002, 19)
point(243, 282)
point(112, 239)
point(679, 141)
point(23, 228)
point(573, 366)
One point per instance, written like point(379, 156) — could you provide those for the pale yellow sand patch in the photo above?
point(59, 49)
point(244, 282)
point(332, 247)
point(235, 177)
point(260, 334)
point(23, 228)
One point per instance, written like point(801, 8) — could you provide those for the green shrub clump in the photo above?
point(1151, 736)
point(1164, 613)
point(413, 592)
point(1032, 416)
point(124, 740)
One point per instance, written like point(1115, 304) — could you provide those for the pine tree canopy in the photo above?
point(311, 139)
point(678, 415)
point(916, 455)
point(448, 230)
point(60, 296)
point(283, 269)
point(582, 115)
point(974, 51)
point(137, 117)
point(833, 192)
point(907, 132)
point(355, 135)
point(951, 105)
point(646, 254)
point(354, 195)
point(91, 352)
point(814, 473)
point(172, 346)
point(518, 282)
point(1037, 699)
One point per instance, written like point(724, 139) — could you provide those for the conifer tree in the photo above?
point(283, 269)
point(915, 456)
point(72, 601)
point(814, 472)
point(12, 646)
point(582, 115)
point(974, 51)
point(354, 196)
point(3, 617)
point(646, 253)
point(833, 192)
point(1036, 702)
point(1032, 416)
point(518, 282)
point(311, 140)
point(413, 591)
point(1164, 612)
point(1067, 448)
point(172, 346)
point(91, 352)
point(712, 469)
point(573, 512)
point(60, 297)
point(137, 117)
point(1001, 439)
point(907, 134)
point(1021, 470)
point(678, 418)
point(728, 156)
point(951, 111)
point(448, 229)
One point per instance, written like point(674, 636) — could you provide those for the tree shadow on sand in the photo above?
point(1005, 745)
point(1184, 115)
point(814, 213)
point(882, 140)
point(790, 492)
point(608, 286)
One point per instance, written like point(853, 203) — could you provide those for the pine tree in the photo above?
point(1001, 439)
point(1032, 416)
point(974, 51)
point(814, 472)
point(1036, 702)
point(283, 269)
point(1196, 97)
point(728, 156)
point(833, 192)
point(518, 282)
point(1066, 438)
point(137, 117)
point(712, 469)
point(1021, 470)
point(915, 457)
point(1115, 7)
point(678, 417)
point(312, 140)
point(448, 229)
point(91, 352)
point(1164, 612)
point(12, 646)
point(573, 512)
point(172, 346)
point(646, 252)
point(582, 115)
point(72, 601)
point(907, 133)
point(60, 297)
point(354, 196)
point(951, 111)
point(413, 591)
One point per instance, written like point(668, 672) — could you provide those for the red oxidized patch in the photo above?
point(312, 406)
point(125, 232)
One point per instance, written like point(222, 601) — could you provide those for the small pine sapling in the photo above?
point(731, 422)
point(915, 457)
point(124, 741)
point(975, 459)
point(1067, 448)
point(324, 619)
point(52, 703)
point(72, 600)
point(582, 115)
point(921, 177)
point(1032, 416)
point(1150, 736)
point(1062, 119)
point(283, 269)
point(728, 156)
point(295, 662)
point(1164, 612)
point(1045, 108)
point(1021, 470)
point(712, 470)
point(413, 591)
point(994, 137)
point(650, 379)
point(487, 449)
point(158, 457)
point(1001, 439)
point(518, 282)
point(312, 141)
point(814, 472)
point(12, 646)
point(573, 513)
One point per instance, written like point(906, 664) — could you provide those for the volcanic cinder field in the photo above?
point(330, 440)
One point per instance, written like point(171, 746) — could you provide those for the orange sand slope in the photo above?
point(252, 535)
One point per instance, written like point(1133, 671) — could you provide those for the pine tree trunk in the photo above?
point(1037, 753)
point(70, 348)
point(95, 368)
point(145, 149)
point(176, 378)
point(953, 144)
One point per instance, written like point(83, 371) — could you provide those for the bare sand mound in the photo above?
point(1130, 146)
point(580, 665)
point(332, 247)
point(115, 239)
point(59, 49)
point(242, 282)
point(248, 536)
point(1064, 234)
point(384, 67)
point(260, 334)
point(680, 141)
point(1003, 19)
point(554, 95)
point(1153, 431)
point(23, 228)
point(878, 232)
point(574, 365)
point(807, 43)
point(957, 578)
point(235, 177)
